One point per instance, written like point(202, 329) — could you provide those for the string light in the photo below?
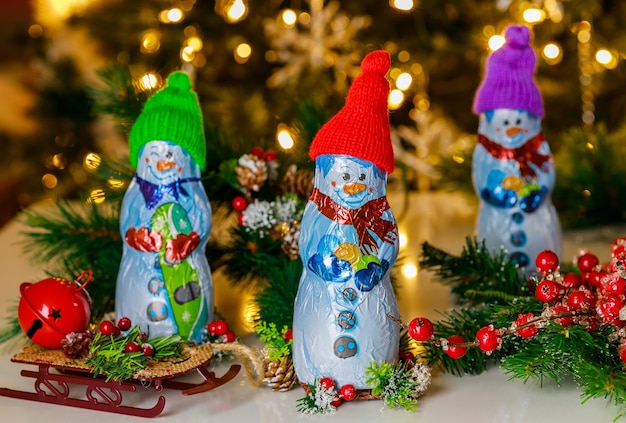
point(150, 41)
point(533, 15)
point(606, 58)
point(92, 162)
point(49, 181)
point(404, 5)
point(402, 240)
point(288, 18)
point(409, 270)
point(97, 196)
point(149, 81)
point(396, 98)
point(552, 53)
point(284, 138)
point(242, 53)
point(171, 16)
point(495, 42)
point(404, 81)
point(236, 11)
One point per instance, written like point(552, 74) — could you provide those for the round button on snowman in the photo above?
point(164, 283)
point(349, 241)
point(512, 166)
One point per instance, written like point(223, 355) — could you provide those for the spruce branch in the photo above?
point(476, 269)
point(73, 237)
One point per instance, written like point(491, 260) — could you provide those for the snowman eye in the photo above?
point(506, 122)
point(518, 121)
point(362, 177)
point(168, 155)
point(346, 176)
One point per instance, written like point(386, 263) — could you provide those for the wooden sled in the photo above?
point(58, 376)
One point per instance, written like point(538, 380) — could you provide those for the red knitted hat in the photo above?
point(361, 128)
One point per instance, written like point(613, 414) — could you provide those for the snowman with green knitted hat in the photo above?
point(164, 283)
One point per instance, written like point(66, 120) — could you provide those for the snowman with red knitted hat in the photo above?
point(349, 241)
point(512, 166)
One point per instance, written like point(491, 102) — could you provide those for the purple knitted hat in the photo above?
point(509, 76)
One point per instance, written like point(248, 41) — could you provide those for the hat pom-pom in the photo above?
point(180, 80)
point(377, 62)
point(517, 36)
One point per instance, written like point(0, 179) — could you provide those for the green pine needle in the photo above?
point(277, 347)
point(107, 356)
point(394, 384)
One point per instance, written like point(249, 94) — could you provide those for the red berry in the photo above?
point(526, 331)
point(564, 320)
point(587, 262)
point(124, 323)
point(230, 336)
point(621, 350)
point(288, 335)
point(218, 327)
point(571, 280)
point(547, 261)
point(609, 307)
point(347, 392)
point(327, 383)
point(420, 329)
point(336, 402)
point(615, 285)
point(257, 151)
point(578, 300)
point(148, 350)
point(116, 331)
point(406, 355)
point(618, 246)
point(270, 155)
point(488, 339)
point(239, 203)
point(132, 346)
point(142, 336)
point(106, 327)
point(595, 278)
point(241, 219)
point(454, 349)
point(548, 291)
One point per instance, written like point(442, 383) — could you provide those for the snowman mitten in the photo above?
point(330, 268)
point(144, 239)
point(177, 249)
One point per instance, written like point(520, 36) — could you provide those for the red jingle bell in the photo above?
point(52, 308)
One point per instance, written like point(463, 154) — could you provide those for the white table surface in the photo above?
point(440, 219)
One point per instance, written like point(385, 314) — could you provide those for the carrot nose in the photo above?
point(164, 165)
point(514, 130)
point(354, 188)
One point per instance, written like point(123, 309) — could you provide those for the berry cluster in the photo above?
point(346, 393)
point(219, 332)
point(132, 344)
point(591, 295)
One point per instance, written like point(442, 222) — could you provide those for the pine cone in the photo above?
point(251, 172)
point(290, 241)
point(279, 375)
point(76, 344)
point(298, 182)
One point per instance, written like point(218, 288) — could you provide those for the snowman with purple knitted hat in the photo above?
point(512, 166)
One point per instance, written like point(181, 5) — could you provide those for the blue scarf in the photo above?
point(153, 193)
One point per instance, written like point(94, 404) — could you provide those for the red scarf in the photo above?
point(364, 219)
point(524, 155)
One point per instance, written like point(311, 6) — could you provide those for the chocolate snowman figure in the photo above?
point(349, 241)
point(512, 165)
point(164, 283)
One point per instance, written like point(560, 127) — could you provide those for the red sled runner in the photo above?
point(57, 376)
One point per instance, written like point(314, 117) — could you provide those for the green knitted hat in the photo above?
point(171, 114)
